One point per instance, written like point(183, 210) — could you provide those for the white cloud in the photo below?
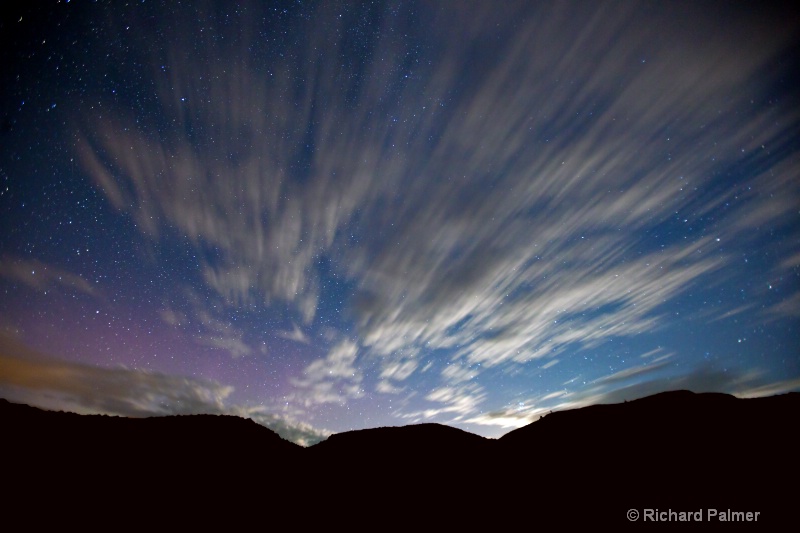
point(287, 427)
point(333, 379)
point(399, 370)
point(42, 277)
point(508, 221)
point(207, 328)
point(770, 389)
point(27, 376)
point(31, 377)
point(633, 383)
point(386, 387)
point(295, 335)
point(234, 345)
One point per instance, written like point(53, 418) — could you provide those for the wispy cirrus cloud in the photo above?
point(633, 383)
point(287, 427)
point(333, 379)
point(563, 197)
point(208, 326)
point(448, 404)
point(30, 377)
point(296, 335)
point(41, 276)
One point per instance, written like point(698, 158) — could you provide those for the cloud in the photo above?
point(387, 387)
point(448, 404)
point(634, 372)
point(295, 335)
point(231, 344)
point(508, 419)
point(42, 277)
point(27, 376)
point(288, 428)
point(207, 327)
point(770, 389)
point(222, 335)
point(705, 378)
point(789, 305)
point(333, 379)
point(536, 181)
point(462, 399)
point(90, 389)
point(562, 249)
point(634, 383)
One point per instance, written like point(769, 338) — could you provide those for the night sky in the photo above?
point(341, 215)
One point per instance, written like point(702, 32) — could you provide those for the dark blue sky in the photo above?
point(330, 216)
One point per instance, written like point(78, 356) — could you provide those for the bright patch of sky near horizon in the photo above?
point(331, 216)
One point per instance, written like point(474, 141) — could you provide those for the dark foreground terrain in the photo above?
point(585, 468)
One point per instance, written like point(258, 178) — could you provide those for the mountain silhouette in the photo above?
point(421, 456)
point(583, 467)
point(670, 450)
point(418, 441)
point(108, 460)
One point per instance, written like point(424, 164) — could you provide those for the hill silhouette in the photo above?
point(672, 450)
point(422, 456)
point(675, 450)
point(418, 440)
point(108, 460)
